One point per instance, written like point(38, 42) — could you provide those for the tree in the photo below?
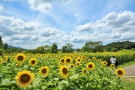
point(40, 50)
point(78, 49)
point(5, 46)
point(1, 42)
point(68, 48)
point(54, 48)
point(93, 46)
point(64, 49)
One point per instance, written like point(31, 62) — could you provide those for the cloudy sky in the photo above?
point(33, 23)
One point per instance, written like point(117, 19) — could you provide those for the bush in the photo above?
point(1, 51)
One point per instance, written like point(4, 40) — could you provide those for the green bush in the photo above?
point(1, 51)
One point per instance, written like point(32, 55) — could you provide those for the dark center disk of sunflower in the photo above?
point(62, 60)
point(72, 65)
point(20, 58)
point(119, 72)
point(68, 60)
point(77, 63)
point(24, 78)
point(84, 71)
point(64, 70)
point(90, 66)
point(44, 70)
point(33, 62)
point(78, 59)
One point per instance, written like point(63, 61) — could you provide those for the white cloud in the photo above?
point(1, 7)
point(43, 5)
point(40, 5)
point(11, 25)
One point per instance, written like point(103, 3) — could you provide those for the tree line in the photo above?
point(68, 48)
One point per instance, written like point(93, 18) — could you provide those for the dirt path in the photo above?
point(130, 70)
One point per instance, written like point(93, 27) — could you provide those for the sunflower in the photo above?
point(99, 60)
point(59, 63)
point(44, 71)
point(6, 59)
point(90, 65)
point(84, 70)
point(94, 58)
point(112, 65)
point(104, 63)
point(0, 61)
point(72, 65)
point(62, 60)
point(77, 63)
point(24, 78)
point(71, 56)
point(68, 60)
point(78, 59)
point(64, 71)
point(20, 58)
point(120, 72)
point(33, 61)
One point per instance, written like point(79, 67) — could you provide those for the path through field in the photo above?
point(130, 70)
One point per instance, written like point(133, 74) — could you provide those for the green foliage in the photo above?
point(120, 45)
point(5, 46)
point(1, 51)
point(1, 42)
point(54, 48)
point(68, 48)
point(93, 46)
point(14, 50)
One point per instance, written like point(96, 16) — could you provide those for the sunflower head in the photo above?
point(78, 59)
point(120, 72)
point(59, 63)
point(20, 58)
point(64, 71)
point(112, 65)
point(77, 63)
point(44, 71)
point(94, 58)
point(84, 70)
point(62, 60)
point(104, 63)
point(99, 60)
point(90, 66)
point(68, 60)
point(24, 78)
point(72, 65)
point(33, 61)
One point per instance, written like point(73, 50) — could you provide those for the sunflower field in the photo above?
point(77, 71)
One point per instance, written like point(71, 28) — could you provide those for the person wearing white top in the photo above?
point(113, 61)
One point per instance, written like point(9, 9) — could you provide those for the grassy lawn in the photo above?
point(126, 64)
point(129, 82)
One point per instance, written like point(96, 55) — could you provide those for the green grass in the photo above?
point(129, 82)
point(126, 64)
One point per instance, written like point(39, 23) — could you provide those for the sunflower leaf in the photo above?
point(74, 76)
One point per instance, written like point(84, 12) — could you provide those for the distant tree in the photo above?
point(68, 48)
point(64, 49)
point(5, 46)
point(1, 42)
point(40, 50)
point(54, 48)
point(47, 48)
point(93, 46)
point(78, 49)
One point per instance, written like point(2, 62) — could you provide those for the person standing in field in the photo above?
point(114, 61)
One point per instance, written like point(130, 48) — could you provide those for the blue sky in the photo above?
point(33, 23)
